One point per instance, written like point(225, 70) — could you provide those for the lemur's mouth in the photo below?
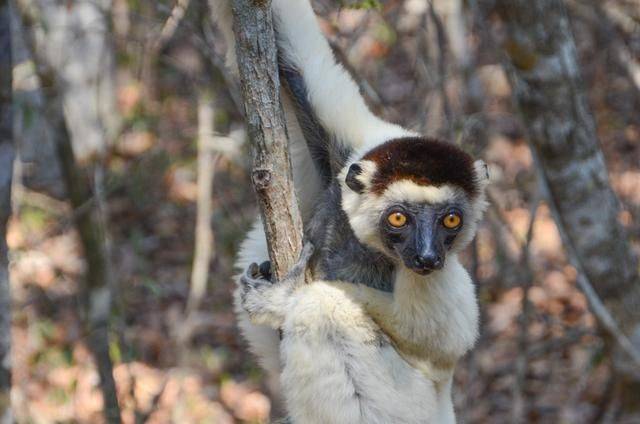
point(422, 271)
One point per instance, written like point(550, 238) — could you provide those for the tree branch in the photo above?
point(271, 175)
point(520, 402)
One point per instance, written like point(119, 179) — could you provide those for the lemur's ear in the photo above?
point(482, 173)
point(352, 180)
point(481, 169)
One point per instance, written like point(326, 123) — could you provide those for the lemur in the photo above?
point(417, 201)
point(340, 110)
point(412, 202)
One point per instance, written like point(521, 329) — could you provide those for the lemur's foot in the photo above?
point(303, 261)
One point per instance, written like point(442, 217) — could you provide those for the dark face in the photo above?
point(421, 235)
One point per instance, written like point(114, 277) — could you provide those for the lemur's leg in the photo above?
point(339, 368)
point(266, 301)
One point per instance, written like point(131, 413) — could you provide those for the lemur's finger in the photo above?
point(265, 270)
point(254, 270)
point(248, 279)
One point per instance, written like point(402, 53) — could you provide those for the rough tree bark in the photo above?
point(95, 292)
point(271, 175)
point(6, 171)
point(545, 77)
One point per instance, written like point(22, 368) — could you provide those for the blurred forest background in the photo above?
point(158, 193)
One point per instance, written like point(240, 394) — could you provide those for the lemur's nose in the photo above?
point(428, 261)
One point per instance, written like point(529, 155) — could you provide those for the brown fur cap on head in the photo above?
point(425, 161)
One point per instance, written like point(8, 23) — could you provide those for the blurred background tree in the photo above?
point(154, 120)
point(7, 155)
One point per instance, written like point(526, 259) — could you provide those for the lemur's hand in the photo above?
point(266, 301)
point(255, 280)
point(256, 276)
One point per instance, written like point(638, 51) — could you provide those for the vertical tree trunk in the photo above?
point(95, 292)
point(6, 170)
point(76, 39)
point(272, 177)
point(545, 77)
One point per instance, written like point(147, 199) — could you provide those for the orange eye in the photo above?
point(397, 219)
point(452, 220)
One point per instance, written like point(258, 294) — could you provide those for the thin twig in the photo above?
point(520, 404)
point(441, 38)
point(171, 24)
point(204, 234)
point(157, 41)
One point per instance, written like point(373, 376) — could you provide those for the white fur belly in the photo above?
point(339, 368)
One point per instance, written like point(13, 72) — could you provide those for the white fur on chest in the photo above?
point(439, 310)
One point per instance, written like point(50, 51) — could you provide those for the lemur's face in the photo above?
point(420, 234)
point(415, 200)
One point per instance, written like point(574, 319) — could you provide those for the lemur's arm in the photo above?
point(330, 143)
point(266, 301)
point(333, 94)
point(420, 353)
point(380, 307)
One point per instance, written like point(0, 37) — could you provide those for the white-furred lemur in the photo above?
point(376, 337)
